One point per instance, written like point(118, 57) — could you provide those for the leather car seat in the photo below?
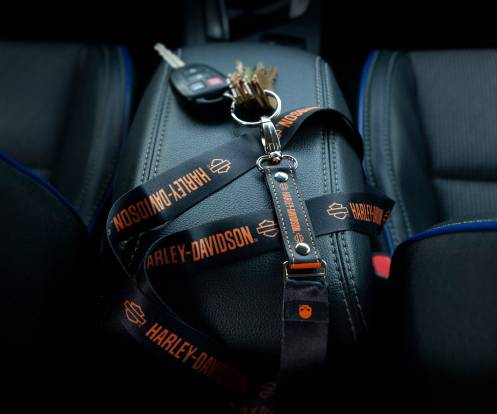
point(63, 113)
point(428, 121)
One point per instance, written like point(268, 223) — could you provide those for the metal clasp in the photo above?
point(270, 139)
point(269, 158)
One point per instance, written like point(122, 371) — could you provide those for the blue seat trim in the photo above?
point(361, 121)
point(469, 226)
point(23, 169)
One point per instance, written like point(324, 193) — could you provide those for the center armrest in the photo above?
point(240, 303)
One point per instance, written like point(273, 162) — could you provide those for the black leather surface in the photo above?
point(429, 130)
point(62, 114)
point(444, 289)
point(46, 285)
point(241, 303)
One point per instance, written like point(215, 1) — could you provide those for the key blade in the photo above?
point(170, 57)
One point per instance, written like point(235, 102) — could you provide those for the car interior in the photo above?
point(254, 207)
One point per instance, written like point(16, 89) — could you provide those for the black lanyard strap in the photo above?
point(305, 313)
point(178, 189)
point(155, 326)
point(159, 331)
point(244, 236)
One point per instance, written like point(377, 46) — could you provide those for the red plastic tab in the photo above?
point(381, 264)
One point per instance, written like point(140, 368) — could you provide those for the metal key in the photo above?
point(195, 82)
point(248, 84)
point(170, 57)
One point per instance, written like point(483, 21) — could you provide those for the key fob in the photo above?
point(198, 83)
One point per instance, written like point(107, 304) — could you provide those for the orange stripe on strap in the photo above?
point(313, 265)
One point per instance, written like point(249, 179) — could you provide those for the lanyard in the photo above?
point(292, 224)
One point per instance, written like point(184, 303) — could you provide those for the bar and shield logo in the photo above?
point(220, 166)
point(338, 211)
point(134, 313)
point(268, 228)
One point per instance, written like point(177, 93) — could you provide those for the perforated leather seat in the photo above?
point(428, 120)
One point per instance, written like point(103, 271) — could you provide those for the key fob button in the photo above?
point(196, 86)
point(197, 81)
point(216, 80)
point(191, 71)
point(196, 77)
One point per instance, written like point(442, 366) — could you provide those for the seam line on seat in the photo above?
point(348, 262)
point(158, 110)
point(163, 120)
point(347, 271)
point(88, 170)
point(322, 99)
point(392, 64)
point(103, 190)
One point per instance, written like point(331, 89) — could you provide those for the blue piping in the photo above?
point(23, 169)
point(452, 228)
point(362, 91)
point(129, 81)
point(361, 120)
point(437, 231)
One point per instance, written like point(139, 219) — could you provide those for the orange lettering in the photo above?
point(154, 330)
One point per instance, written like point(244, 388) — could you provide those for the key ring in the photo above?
point(276, 112)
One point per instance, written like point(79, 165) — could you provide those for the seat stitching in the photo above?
point(278, 206)
point(348, 275)
point(322, 98)
point(347, 271)
point(303, 209)
point(162, 133)
point(163, 121)
point(352, 279)
point(388, 150)
point(158, 110)
point(347, 309)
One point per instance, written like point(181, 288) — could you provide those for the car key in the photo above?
point(248, 84)
point(195, 82)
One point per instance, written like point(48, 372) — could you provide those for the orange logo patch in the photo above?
point(337, 210)
point(268, 228)
point(305, 311)
point(220, 166)
point(134, 313)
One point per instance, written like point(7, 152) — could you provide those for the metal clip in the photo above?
point(270, 139)
point(262, 159)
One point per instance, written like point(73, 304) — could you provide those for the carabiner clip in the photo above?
point(270, 139)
